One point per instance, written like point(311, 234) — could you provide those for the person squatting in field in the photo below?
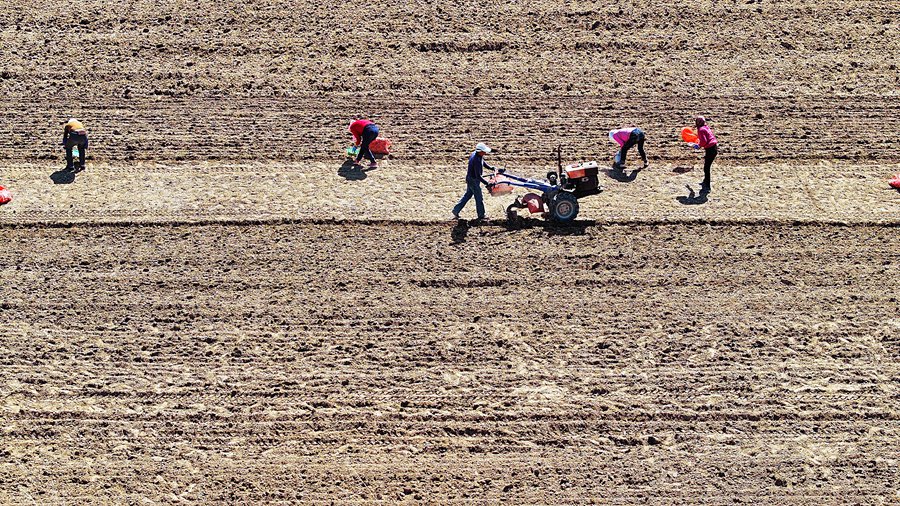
point(706, 140)
point(474, 180)
point(364, 132)
point(74, 134)
point(626, 138)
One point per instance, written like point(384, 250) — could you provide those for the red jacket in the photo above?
point(356, 128)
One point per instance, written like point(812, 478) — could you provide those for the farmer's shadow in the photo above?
point(352, 172)
point(576, 227)
point(694, 199)
point(459, 232)
point(551, 228)
point(620, 175)
point(64, 176)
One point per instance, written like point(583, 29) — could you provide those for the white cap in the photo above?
point(611, 133)
point(482, 147)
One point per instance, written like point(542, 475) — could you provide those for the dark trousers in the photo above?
point(473, 189)
point(369, 134)
point(711, 153)
point(637, 137)
point(73, 140)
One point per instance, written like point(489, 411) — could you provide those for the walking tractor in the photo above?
point(559, 193)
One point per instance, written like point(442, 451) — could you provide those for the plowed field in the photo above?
point(389, 362)
point(218, 311)
point(264, 80)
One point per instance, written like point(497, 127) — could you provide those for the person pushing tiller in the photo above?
point(364, 132)
point(626, 138)
point(474, 180)
point(74, 134)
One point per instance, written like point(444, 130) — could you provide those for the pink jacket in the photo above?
point(706, 138)
point(621, 135)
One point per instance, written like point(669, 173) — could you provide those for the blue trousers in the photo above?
point(473, 189)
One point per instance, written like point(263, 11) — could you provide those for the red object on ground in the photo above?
point(688, 135)
point(534, 203)
point(5, 196)
point(380, 146)
point(895, 182)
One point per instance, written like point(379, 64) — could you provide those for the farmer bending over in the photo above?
point(626, 138)
point(474, 180)
point(364, 132)
point(74, 134)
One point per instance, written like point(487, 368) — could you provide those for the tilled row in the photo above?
point(279, 48)
point(366, 362)
point(524, 129)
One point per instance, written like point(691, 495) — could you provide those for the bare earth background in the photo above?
point(218, 311)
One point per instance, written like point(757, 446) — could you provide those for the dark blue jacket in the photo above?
point(476, 165)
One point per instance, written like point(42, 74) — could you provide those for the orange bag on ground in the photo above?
point(380, 146)
point(895, 183)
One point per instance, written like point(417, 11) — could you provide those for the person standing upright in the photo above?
point(706, 139)
point(474, 180)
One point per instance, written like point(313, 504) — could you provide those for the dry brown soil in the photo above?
point(263, 80)
point(216, 311)
point(360, 362)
